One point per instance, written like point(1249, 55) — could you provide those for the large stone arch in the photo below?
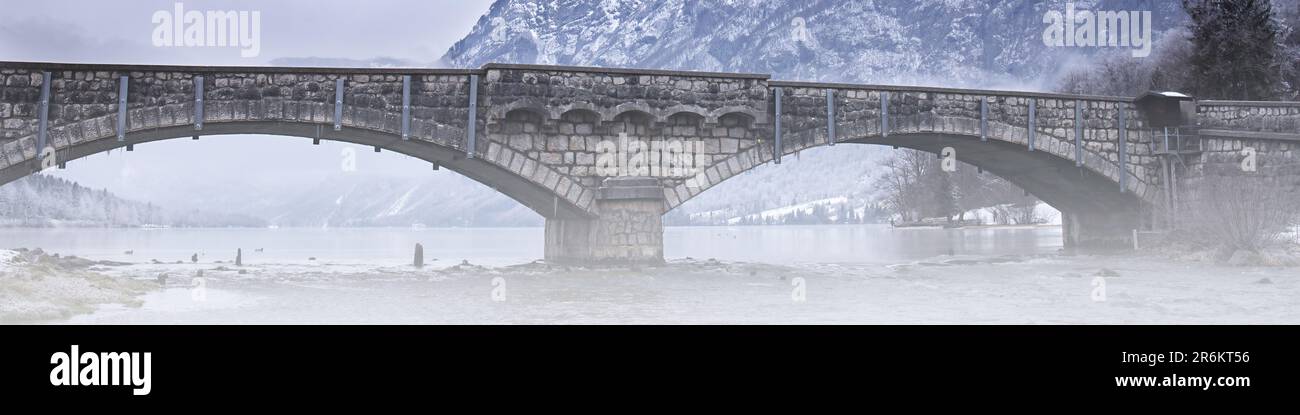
point(423, 113)
point(1007, 143)
point(498, 170)
point(1097, 212)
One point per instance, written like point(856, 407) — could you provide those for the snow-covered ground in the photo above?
point(7, 260)
point(1040, 289)
point(38, 287)
point(785, 212)
point(847, 274)
point(1042, 211)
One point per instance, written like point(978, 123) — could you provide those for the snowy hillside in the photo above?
point(940, 42)
point(46, 201)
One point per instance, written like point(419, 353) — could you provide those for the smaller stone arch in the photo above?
point(610, 114)
point(736, 130)
point(633, 122)
point(736, 119)
point(756, 116)
point(683, 109)
point(683, 117)
point(581, 107)
point(683, 124)
point(522, 120)
point(581, 115)
point(578, 121)
point(534, 105)
point(530, 111)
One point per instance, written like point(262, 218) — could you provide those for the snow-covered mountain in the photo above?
point(941, 42)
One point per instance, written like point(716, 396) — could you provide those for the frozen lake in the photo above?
point(777, 274)
point(785, 245)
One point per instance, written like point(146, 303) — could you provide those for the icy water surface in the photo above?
point(760, 275)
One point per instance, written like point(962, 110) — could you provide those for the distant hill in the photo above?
point(435, 200)
point(46, 201)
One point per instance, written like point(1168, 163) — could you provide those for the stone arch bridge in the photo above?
point(543, 134)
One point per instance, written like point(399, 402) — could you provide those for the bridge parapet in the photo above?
point(1251, 116)
point(1230, 131)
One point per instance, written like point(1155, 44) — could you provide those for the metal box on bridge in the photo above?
point(1172, 117)
point(1167, 109)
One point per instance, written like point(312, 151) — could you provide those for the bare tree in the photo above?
point(1250, 212)
point(916, 188)
point(903, 183)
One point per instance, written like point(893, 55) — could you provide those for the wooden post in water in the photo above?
point(419, 256)
point(239, 257)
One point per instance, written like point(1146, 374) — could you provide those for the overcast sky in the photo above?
point(119, 31)
point(96, 31)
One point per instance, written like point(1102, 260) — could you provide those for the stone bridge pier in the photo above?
point(619, 148)
point(1091, 230)
point(628, 227)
